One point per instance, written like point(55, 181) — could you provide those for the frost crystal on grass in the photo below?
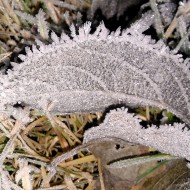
point(39, 20)
point(43, 28)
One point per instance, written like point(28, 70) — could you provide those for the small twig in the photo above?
point(10, 144)
point(180, 11)
point(171, 28)
point(57, 187)
point(101, 175)
point(69, 182)
point(33, 124)
point(4, 56)
point(7, 148)
point(158, 23)
point(84, 159)
point(182, 41)
point(147, 113)
point(55, 162)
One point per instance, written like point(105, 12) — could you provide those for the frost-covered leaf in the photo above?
point(92, 71)
point(120, 124)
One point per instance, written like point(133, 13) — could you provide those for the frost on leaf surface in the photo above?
point(120, 124)
point(92, 71)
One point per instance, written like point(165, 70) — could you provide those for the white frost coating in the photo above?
point(120, 124)
point(92, 71)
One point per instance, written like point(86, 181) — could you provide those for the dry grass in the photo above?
point(28, 150)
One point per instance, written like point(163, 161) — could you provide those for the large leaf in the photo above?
point(92, 71)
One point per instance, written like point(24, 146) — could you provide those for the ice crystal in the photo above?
point(25, 16)
point(43, 28)
point(39, 20)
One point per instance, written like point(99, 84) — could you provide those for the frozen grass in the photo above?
point(27, 151)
